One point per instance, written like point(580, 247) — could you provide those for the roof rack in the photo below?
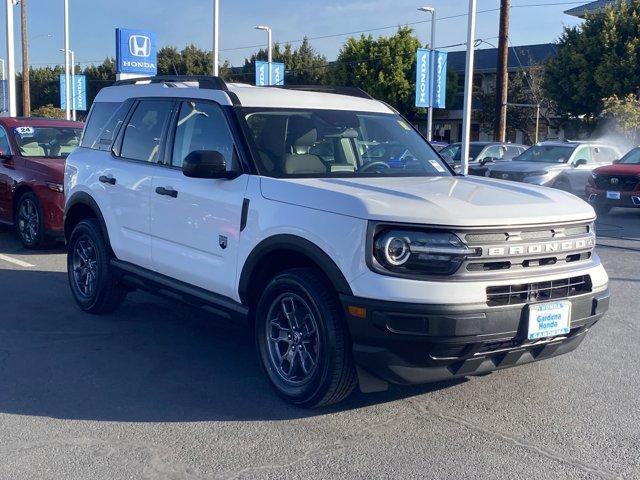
point(204, 81)
point(350, 91)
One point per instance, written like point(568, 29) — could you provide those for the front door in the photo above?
point(195, 223)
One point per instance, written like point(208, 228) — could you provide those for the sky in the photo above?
point(178, 23)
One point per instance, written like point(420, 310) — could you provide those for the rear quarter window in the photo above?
point(103, 123)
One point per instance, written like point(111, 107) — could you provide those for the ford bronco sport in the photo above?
point(322, 218)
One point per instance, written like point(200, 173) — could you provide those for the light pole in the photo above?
point(72, 56)
point(269, 46)
point(11, 59)
point(67, 70)
point(432, 60)
point(468, 87)
point(216, 29)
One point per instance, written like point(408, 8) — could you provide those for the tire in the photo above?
point(294, 304)
point(29, 222)
point(91, 279)
point(602, 210)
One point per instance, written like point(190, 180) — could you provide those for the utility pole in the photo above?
point(502, 76)
point(26, 89)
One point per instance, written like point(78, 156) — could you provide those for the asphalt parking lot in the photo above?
point(160, 390)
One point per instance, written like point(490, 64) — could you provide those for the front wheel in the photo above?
point(29, 222)
point(302, 340)
point(93, 284)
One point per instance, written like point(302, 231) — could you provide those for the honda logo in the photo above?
point(140, 46)
point(614, 181)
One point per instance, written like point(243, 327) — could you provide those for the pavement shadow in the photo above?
point(152, 361)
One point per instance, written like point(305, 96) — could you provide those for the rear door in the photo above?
point(195, 223)
point(127, 179)
point(578, 175)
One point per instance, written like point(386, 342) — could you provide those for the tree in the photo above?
point(303, 65)
point(525, 88)
point(48, 111)
point(596, 60)
point(626, 114)
point(384, 67)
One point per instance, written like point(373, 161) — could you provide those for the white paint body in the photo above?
point(180, 237)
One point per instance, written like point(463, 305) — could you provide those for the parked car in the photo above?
point(481, 154)
point(32, 156)
point(616, 185)
point(349, 270)
point(438, 145)
point(564, 165)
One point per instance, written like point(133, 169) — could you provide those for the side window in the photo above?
point(104, 120)
point(604, 154)
point(144, 130)
point(512, 152)
point(4, 142)
point(583, 153)
point(201, 127)
point(494, 151)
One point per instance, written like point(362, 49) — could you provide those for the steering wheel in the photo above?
point(371, 165)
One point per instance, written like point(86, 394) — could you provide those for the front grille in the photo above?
point(538, 292)
point(513, 176)
point(617, 183)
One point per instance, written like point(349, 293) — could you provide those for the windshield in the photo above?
point(632, 157)
point(49, 142)
point(547, 154)
point(453, 153)
point(335, 143)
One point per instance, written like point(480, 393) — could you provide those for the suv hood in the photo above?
point(451, 201)
point(520, 166)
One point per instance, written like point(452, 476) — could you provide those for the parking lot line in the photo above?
point(15, 261)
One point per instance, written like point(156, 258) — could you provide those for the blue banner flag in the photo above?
point(437, 98)
point(79, 92)
point(262, 74)
point(440, 87)
point(422, 78)
point(4, 103)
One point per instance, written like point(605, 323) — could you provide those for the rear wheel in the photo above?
point(93, 284)
point(29, 222)
point(302, 340)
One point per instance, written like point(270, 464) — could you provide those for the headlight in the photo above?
point(537, 173)
point(415, 252)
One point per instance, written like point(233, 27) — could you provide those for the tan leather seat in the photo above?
point(32, 149)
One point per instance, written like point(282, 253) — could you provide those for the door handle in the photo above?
point(169, 192)
point(109, 180)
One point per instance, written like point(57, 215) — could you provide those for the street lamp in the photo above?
point(269, 46)
point(67, 69)
point(11, 59)
point(216, 28)
point(72, 56)
point(432, 11)
point(468, 86)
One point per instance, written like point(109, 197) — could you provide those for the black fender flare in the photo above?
point(298, 245)
point(83, 198)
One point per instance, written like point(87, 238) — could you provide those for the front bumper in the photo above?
point(406, 343)
point(599, 197)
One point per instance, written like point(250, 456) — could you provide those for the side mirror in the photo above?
point(206, 164)
point(580, 162)
point(486, 160)
point(4, 155)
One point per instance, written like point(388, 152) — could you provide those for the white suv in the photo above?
point(324, 220)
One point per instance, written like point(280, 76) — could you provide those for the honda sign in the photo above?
point(136, 52)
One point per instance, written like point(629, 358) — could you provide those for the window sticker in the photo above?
point(25, 131)
point(437, 166)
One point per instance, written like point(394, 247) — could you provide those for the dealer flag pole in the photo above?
point(468, 87)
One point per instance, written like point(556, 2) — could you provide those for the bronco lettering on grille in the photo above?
point(548, 247)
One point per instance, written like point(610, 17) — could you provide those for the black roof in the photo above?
point(486, 59)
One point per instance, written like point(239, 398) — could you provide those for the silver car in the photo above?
point(564, 165)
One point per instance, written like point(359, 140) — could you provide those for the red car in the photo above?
point(32, 158)
point(616, 185)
